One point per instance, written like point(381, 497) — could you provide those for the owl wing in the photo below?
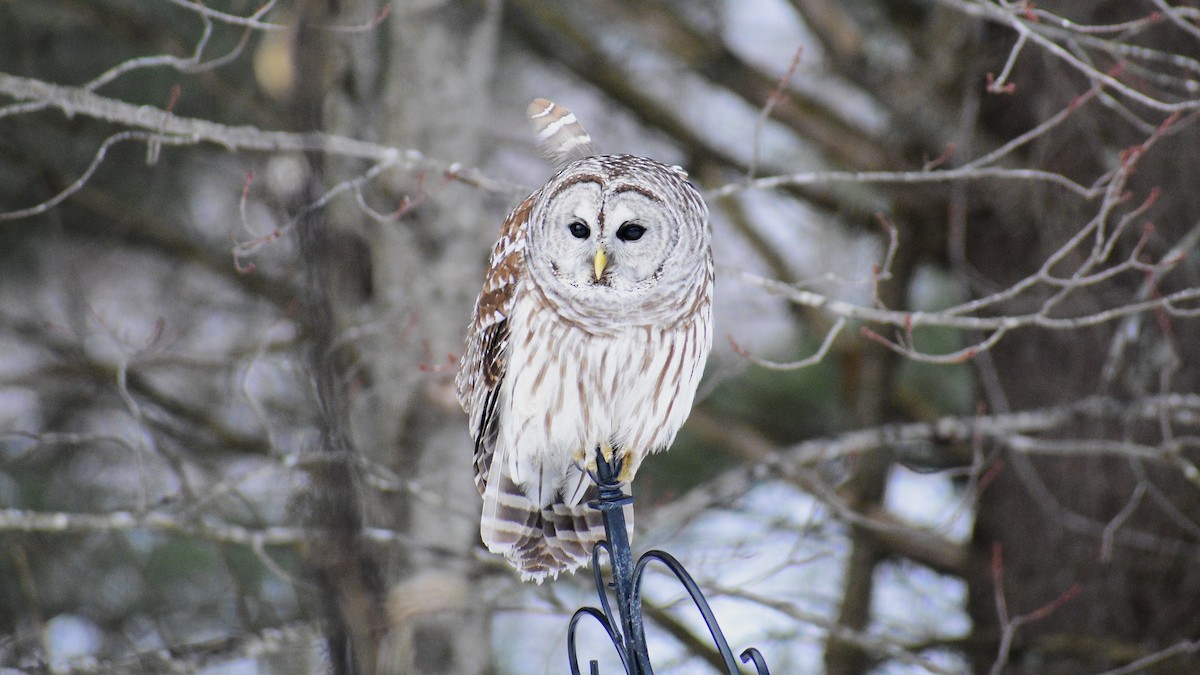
point(485, 361)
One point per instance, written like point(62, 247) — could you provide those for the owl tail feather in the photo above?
point(540, 542)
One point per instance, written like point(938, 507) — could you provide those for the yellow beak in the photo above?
point(599, 263)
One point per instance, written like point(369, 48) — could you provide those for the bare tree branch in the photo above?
point(914, 443)
point(183, 130)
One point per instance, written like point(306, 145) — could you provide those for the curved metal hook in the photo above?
point(598, 575)
point(606, 624)
point(760, 662)
point(698, 599)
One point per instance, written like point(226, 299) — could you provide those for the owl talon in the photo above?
point(607, 451)
point(617, 459)
point(626, 473)
point(589, 462)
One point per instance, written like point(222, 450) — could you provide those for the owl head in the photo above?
point(618, 232)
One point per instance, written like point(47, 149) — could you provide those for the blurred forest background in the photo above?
point(951, 424)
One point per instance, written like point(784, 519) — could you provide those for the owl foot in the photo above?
point(588, 461)
point(626, 474)
point(618, 458)
point(607, 451)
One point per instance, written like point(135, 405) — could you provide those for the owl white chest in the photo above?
point(569, 389)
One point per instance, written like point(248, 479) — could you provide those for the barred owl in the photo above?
point(591, 333)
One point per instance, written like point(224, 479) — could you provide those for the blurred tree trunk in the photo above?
point(404, 287)
point(1043, 524)
point(435, 96)
point(334, 257)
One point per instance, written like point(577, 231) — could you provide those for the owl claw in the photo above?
point(618, 458)
point(588, 462)
point(626, 474)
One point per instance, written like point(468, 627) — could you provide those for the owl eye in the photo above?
point(630, 232)
point(579, 230)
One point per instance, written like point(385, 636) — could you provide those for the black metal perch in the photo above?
point(625, 629)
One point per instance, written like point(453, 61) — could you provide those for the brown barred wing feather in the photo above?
point(485, 360)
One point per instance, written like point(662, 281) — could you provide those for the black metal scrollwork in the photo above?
point(625, 628)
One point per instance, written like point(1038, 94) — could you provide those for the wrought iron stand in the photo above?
point(625, 628)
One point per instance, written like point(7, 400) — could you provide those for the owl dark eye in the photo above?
point(630, 232)
point(579, 230)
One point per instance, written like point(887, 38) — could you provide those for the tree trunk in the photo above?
point(1103, 545)
point(399, 299)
